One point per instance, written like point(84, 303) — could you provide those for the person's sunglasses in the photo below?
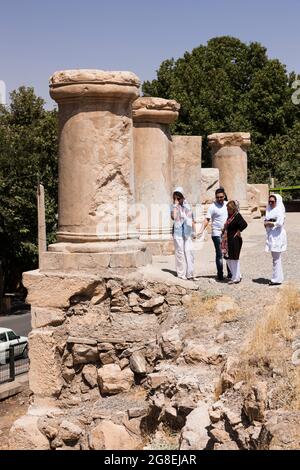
point(220, 197)
point(271, 202)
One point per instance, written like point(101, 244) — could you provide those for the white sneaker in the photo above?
point(182, 277)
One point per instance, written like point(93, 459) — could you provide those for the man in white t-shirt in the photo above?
point(217, 214)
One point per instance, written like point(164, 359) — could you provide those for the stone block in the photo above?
point(41, 317)
point(113, 380)
point(45, 377)
point(25, 435)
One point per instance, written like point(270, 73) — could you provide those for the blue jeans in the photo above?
point(219, 256)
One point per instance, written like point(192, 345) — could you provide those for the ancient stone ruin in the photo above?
point(103, 334)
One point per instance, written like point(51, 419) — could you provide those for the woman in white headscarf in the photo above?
point(276, 241)
point(183, 233)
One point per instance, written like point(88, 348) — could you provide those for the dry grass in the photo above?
point(200, 305)
point(269, 347)
point(229, 316)
point(204, 305)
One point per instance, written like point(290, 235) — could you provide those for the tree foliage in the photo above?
point(28, 153)
point(228, 86)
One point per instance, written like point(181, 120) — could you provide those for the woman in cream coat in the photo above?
point(276, 241)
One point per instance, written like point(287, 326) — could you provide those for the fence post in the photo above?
point(12, 372)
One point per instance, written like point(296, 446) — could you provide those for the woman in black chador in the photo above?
point(232, 240)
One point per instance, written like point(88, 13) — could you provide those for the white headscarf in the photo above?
point(278, 210)
point(179, 189)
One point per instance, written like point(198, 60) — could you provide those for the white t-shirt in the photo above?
point(218, 215)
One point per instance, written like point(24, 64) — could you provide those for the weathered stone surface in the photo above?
point(84, 353)
point(253, 196)
point(155, 302)
point(215, 415)
point(255, 402)
point(25, 435)
point(90, 375)
point(99, 294)
point(209, 184)
point(173, 299)
point(49, 427)
point(153, 168)
point(113, 380)
point(70, 432)
point(41, 317)
point(229, 155)
point(108, 357)
point(228, 445)
point(220, 436)
point(96, 120)
point(53, 291)
point(229, 139)
point(81, 340)
point(156, 379)
point(263, 195)
point(157, 110)
point(138, 363)
point(147, 293)
point(105, 347)
point(45, 364)
point(229, 372)
point(68, 77)
point(187, 166)
point(133, 299)
point(68, 373)
point(194, 435)
point(138, 411)
point(281, 431)
point(194, 353)
point(110, 436)
point(124, 362)
point(171, 343)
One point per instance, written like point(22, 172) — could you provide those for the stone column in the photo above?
point(187, 169)
point(229, 155)
point(96, 169)
point(153, 169)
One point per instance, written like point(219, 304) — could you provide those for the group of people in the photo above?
point(227, 224)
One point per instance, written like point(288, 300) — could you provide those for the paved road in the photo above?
point(21, 323)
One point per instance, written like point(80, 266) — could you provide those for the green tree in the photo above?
point(28, 153)
point(227, 86)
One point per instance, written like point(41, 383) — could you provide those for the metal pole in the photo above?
point(42, 240)
point(12, 372)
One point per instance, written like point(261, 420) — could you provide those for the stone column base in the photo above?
point(161, 248)
point(93, 257)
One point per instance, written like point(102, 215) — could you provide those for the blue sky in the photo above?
point(38, 37)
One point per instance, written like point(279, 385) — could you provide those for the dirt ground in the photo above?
point(10, 410)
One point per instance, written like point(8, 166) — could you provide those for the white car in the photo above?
point(9, 338)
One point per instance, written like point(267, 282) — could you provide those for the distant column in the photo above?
point(153, 167)
point(229, 155)
point(187, 169)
